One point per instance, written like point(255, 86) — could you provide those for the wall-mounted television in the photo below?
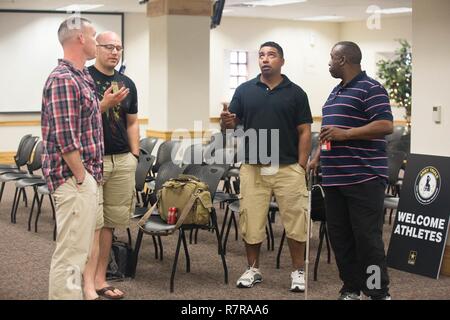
point(217, 13)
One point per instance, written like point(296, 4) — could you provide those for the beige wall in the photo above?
point(306, 46)
point(306, 65)
point(137, 50)
point(431, 66)
point(378, 43)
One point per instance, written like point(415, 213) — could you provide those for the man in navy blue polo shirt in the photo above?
point(276, 112)
point(356, 118)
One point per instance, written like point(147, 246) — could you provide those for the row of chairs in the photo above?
point(28, 154)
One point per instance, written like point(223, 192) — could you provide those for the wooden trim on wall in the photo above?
point(143, 121)
point(445, 269)
point(214, 120)
point(28, 123)
point(7, 157)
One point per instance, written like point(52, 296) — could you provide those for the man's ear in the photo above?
point(80, 38)
point(282, 63)
point(343, 61)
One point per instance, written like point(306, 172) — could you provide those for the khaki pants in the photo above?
point(76, 209)
point(289, 187)
point(118, 191)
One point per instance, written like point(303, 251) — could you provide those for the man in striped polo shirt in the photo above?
point(356, 118)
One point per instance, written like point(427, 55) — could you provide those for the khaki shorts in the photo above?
point(117, 195)
point(289, 187)
point(76, 207)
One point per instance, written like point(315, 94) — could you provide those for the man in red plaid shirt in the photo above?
point(72, 161)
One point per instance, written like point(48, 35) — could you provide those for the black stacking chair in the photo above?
point(34, 182)
point(165, 152)
point(8, 175)
point(396, 161)
point(167, 171)
point(155, 225)
point(193, 154)
point(142, 171)
point(16, 156)
point(314, 142)
point(148, 144)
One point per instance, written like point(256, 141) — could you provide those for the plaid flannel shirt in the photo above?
point(71, 120)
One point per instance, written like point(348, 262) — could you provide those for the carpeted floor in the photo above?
point(25, 260)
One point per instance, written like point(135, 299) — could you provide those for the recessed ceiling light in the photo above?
point(80, 7)
point(389, 11)
point(271, 3)
point(321, 18)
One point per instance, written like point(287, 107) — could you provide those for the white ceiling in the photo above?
point(348, 9)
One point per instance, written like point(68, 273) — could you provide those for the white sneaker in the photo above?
point(349, 296)
point(297, 281)
point(249, 278)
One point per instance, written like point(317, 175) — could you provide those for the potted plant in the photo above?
point(396, 75)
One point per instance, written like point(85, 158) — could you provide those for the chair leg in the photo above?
point(55, 231)
point(233, 217)
point(175, 261)
point(319, 249)
point(1, 191)
point(328, 243)
point(224, 222)
point(161, 251)
point(186, 252)
point(272, 238)
point(25, 198)
point(219, 244)
point(196, 236)
point(53, 207)
point(130, 242)
point(280, 248)
point(136, 252)
point(155, 246)
point(191, 233)
point(227, 233)
point(38, 213)
point(30, 215)
point(267, 238)
point(14, 202)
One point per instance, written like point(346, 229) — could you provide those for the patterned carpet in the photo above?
point(25, 261)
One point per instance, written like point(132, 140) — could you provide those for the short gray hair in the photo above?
point(69, 26)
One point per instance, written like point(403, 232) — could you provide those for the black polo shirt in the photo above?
point(283, 108)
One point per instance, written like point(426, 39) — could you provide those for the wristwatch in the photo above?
point(137, 157)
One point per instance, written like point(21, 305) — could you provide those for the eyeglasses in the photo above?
point(111, 47)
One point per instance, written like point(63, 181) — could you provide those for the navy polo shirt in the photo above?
point(283, 108)
point(360, 102)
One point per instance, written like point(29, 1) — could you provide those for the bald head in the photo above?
point(349, 50)
point(71, 27)
point(108, 37)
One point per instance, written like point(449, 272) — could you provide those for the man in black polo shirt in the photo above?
point(277, 112)
point(356, 117)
